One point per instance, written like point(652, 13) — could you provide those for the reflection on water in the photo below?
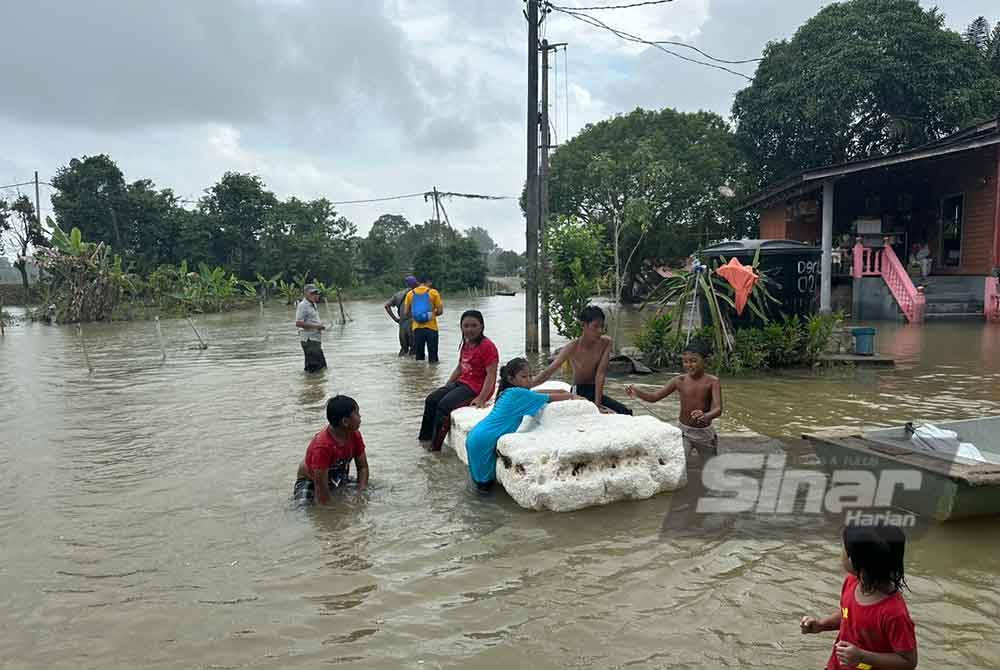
point(146, 518)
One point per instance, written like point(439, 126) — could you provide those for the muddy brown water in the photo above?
point(145, 515)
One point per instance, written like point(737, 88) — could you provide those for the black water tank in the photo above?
point(793, 269)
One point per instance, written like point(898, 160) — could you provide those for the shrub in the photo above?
point(792, 342)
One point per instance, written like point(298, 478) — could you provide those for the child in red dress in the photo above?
point(875, 629)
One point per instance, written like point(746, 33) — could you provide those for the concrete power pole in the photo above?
point(531, 279)
point(38, 204)
point(543, 191)
point(437, 210)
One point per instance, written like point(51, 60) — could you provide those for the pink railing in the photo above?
point(884, 263)
point(992, 303)
point(867, 262)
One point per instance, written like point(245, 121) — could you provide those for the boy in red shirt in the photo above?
point(875, 629)
point(328, 458)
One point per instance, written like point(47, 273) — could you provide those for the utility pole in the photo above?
point(543, 194)
point(531, 279)
point(38, 204)
point(437, 210)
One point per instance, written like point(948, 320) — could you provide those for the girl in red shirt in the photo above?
point(471, 383)
point(875, 629)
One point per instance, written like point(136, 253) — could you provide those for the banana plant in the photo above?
point(71, 244)
point(288, 291)
point(266, 284)
point(687, 288)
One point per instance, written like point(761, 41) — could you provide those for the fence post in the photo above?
point(201, 342)
point(83, 345)
point(159, 336)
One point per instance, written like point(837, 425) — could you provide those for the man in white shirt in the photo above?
point(311, 329)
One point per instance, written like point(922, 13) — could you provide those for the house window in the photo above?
point(952, 222)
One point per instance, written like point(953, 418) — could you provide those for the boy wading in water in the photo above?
point(327, 464)
point(701, 400)
point(588, 354)
point(875, 631)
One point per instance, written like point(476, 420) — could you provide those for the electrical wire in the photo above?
point(566, 84)
point(555, 99)
point(385, 199)
point(597, 23)
point(628, 6)
point(26, 183)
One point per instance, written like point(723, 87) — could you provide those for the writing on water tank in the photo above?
point(807, 271)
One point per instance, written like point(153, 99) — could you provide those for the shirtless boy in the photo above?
point(701, 400)
point(588, 354)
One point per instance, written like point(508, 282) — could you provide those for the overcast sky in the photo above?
point(349, 99)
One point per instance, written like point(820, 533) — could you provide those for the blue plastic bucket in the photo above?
point(864, 341)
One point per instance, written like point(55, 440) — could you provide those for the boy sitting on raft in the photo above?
point(589, 355)
point(328, 458)
point(701, 400)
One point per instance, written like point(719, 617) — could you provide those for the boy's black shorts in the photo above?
point(304, 491)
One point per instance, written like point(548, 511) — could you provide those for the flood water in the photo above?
point(146, 522)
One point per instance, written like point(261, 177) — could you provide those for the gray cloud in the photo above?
point(111, 65)
point(736, 29)
point(342, 98)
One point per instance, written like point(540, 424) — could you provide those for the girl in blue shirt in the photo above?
point(515, 400)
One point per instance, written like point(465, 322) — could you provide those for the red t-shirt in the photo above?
point(325, 452)
point(475, 359)
point(883, 628)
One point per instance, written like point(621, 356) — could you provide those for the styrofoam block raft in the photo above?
point(464, 419)
point(571, 456)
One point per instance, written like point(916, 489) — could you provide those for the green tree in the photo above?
point(150, 216)
point(390, 228)
point(195, 242)
point(27, 233)
point(574, 249)
point(91, 195)
point(986, 41)
point(301, 237)
point(654, 182)
point(237, 208)
point(4, 222)
point(482, 238)
point(861, 78)
point(382, 250)
point(508, 263)
point(453, 266)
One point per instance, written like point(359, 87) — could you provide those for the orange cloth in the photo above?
point(742, 278)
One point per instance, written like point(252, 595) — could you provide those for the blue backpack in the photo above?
point(421, 308)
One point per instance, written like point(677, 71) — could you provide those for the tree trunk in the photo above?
point(628, 287)
point(22, 268)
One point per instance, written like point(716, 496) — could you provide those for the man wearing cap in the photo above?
point(405, 325)
point(311, 329)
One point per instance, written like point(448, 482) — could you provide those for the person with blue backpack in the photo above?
point(423, 306)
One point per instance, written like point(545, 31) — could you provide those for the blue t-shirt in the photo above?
point(511, 407)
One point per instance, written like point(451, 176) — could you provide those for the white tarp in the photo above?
point(946, 444)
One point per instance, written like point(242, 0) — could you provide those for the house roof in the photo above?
point(974, 137)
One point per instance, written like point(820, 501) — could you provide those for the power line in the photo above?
point(628, 6)
point(594, 21)
point(475, 196)
point(385, 199)
point(566, 84)
point(29, 183)
point(26, 183)
point(597, 23)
